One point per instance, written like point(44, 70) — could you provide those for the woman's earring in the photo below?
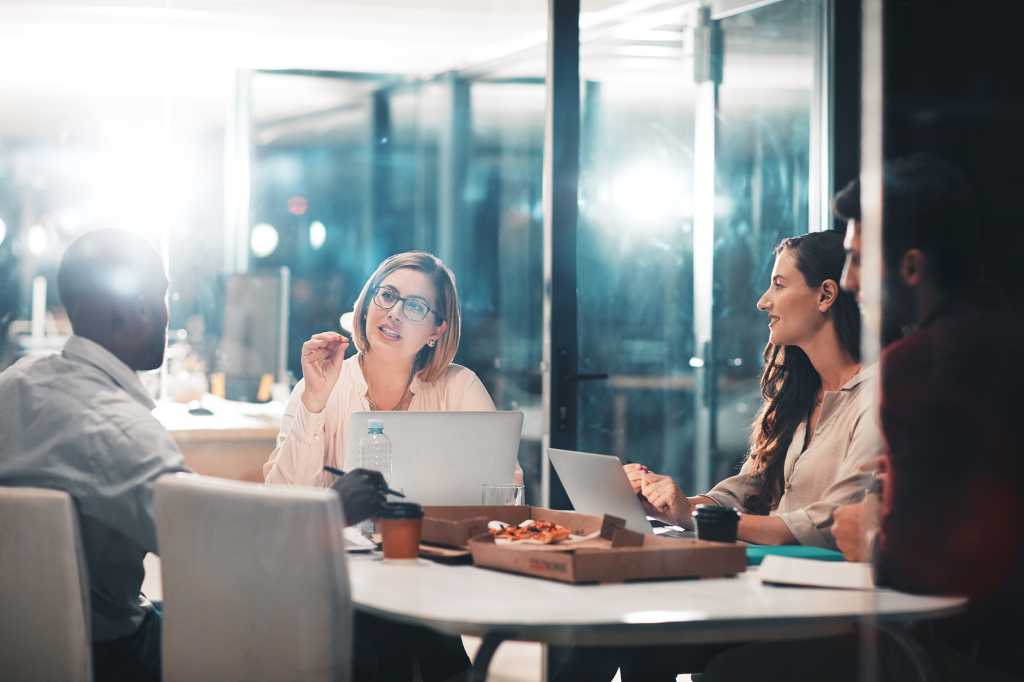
point(432, 342)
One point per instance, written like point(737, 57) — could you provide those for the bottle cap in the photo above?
point(375, 425)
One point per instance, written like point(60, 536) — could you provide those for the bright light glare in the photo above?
point(37, 240)
point(141, 180)
point(650, 193)
point(263, 239)
point(317, 234)
point(346, 321)
point(3, 231)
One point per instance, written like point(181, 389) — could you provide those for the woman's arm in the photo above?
point(764, 530)
point(302, 445)
point(664, 500)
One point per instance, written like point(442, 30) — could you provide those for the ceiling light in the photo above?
point(263, 239)
point(37, 240)
point(317, 234)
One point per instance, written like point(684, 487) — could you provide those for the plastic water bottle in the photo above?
point(374, 453)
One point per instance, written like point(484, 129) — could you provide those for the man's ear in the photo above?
point(828, 293)
point(912, 267)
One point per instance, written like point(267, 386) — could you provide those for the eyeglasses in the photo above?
point(414, 308)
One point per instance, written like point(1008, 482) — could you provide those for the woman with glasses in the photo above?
point(406, 331)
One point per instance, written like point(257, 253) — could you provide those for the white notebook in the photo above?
point(355, 542)
point(843, 575)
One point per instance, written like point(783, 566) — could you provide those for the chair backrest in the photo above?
point(255, 581)
point(44, 588)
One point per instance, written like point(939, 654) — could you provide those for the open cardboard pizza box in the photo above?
point(614, 555)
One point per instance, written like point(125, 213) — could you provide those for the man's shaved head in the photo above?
point(113, 285)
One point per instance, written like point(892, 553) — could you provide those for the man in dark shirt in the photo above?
point(949, 520)
point(951, 512)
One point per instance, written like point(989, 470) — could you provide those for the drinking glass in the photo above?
point(500, 494)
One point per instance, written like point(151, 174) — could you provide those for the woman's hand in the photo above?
point(635, 473)
point(665, 500)
point(322, 356)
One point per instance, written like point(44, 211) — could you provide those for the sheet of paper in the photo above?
point(812, 573)
point(355, 542)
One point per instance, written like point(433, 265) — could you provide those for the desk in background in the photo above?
point(233, 442)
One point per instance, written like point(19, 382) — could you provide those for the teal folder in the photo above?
point(757, 553)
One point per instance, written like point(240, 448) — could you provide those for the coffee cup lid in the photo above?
point(714, 510)
point(400, 510)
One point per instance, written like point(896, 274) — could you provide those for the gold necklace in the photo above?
point(369, 398)
point(375, 408)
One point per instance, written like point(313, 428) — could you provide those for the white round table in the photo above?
point(501, 606)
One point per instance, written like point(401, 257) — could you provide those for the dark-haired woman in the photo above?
point(816, 436)
point(812, 445)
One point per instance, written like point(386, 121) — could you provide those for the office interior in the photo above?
point(607, 179)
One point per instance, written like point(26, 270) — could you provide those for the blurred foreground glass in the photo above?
point(502, 494)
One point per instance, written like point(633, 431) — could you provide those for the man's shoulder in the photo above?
point(72, 402)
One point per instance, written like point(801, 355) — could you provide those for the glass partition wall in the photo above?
point(700, 147)
point(350, 168)
point(696, 139)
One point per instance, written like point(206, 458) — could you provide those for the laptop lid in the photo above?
point(597, 485)
point(443, 458)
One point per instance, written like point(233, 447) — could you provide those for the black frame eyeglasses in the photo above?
point(387, 297)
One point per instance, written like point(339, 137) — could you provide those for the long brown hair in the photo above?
point(789, 383)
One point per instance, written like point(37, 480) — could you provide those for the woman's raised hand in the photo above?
point(322, 356)
point(664, 499)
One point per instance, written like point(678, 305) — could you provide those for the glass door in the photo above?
point(635, 241)
point(766, 162)
point(698, 155)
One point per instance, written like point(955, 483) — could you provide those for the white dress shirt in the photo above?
point(80, 421)
point(308, 441)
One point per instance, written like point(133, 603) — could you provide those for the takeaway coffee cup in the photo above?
point(400, 525)
point(716, 523)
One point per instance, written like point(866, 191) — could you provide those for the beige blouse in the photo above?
point(829, 472)
point(308, 441)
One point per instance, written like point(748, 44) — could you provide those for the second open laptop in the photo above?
point(597, 485)
point(443, 458)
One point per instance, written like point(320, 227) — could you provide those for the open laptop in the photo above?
point(443, 458)
point(597, 485)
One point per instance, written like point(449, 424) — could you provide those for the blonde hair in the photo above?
point(430, 362)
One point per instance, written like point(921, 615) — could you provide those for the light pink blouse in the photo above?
point(308, 441)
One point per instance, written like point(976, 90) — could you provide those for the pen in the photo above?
point(339, 472)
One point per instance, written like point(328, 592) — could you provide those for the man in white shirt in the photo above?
point(80, 421)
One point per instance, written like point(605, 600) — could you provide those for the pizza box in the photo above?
point(615, 555)
point(454, 526)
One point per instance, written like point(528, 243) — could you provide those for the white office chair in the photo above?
point(255, 582)
point(45, 631)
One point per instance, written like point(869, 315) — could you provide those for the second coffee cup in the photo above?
point(716, 523)
point(400, 525)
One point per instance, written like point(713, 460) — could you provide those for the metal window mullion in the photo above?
point(237, 175)
point(560, 182)
point(454, 241)
point(872, 155)
point(379, 181)
point(707, 74)
point(821, 184)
